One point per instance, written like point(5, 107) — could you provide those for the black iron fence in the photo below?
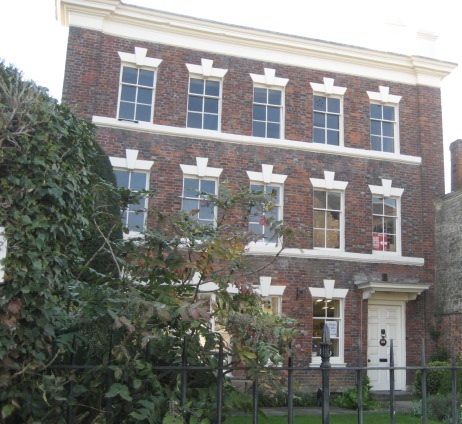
point(223, 369)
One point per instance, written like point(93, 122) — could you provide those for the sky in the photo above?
point(32, 39)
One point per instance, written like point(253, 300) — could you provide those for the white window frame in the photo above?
point(330, 184)
point(139, 61)
point(387, 191)
point(3, 246)
point(131, 163)
point(206, 72)
point(330, 292)
point(267, 177)
point(269, 81)
point(269, 292)
point(384, 98)
point(330, 91)
point(201, 171)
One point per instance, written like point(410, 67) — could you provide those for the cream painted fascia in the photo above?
point(146, 127)
point(397, 291)
point(122, 20)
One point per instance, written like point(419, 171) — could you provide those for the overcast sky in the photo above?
point(33, 40)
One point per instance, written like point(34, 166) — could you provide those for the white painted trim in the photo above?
point(327, 88)
point(383, 96)
point(386, 189)
point(139, 59)
point(400, 291)
point(113, 17)
point(266, 176)
point(329, 182)
point(146, 127)
point(131, 162)
point(269, 79)
point(333, 255)
point(206, 69)
point(201, 169)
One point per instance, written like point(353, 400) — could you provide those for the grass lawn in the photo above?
point(350, 418)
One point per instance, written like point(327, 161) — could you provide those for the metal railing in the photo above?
point(222, 369)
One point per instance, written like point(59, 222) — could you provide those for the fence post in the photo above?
point(325, 367)
point(359, 379)
point(255, 401)
point(70, 408)
point(220, 379)
point(392, 385)
point(455, 418)
point(424, 385)
point(290, 388)
point(184, 375)
point(109, 381)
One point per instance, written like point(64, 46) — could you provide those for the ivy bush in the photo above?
point(75, 292)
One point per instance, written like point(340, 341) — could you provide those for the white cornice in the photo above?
point(146, 127)
point(115, 18)
point(405, 291)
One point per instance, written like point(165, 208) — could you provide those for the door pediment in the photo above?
point(389, 290)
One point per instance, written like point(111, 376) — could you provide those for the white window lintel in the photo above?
point(383, 96)
point(266, 176)
point(201, 169)
point(269, 78)
point(329, 182)
point(328, 88)
point(206, 69)
point(386, 189)
point(131, 161)
point(139, 58)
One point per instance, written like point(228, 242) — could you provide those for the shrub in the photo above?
point(439, 381)
point(349, 399)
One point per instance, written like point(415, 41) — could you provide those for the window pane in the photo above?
point(333, 220)
point(274, 192)
point(333, 122)
point(257, 187)
point(391, 243)
point(191, 187)
point(211, 105)
point(333, 200)
point(319, 219)
point(135, 221)
point(208, 186)
point(388, 145)
point(259, 129)
point(138, 181)
point(190, 205)
point(259, 95)
point(390, 206)
point(145, 96)
point(211, 122)
point(376, 112)
point(127, 110)
point(389, 113)
point(143, 113)
point(377, 206)
point(377, 224)
point(319, 119)
point(333, 105)
point(319, 103)
point(333, 138)
point(274, 97)
point(333, 239)
point(274, 114)
point(388, 129)
point(129, 75)
point(128, 93)
point(195, 103)
point(259, 113)
point(319, 135)
point(273, 131)
point(256, 228)
point(121, 178)
point(194, 120)
point(212, 88)
point(376, 143)
point(206, 210)
point(390, 225)
point(319, 200)
point(318, 238)
point(196, 86)
point(146, 78)
point(376, 128)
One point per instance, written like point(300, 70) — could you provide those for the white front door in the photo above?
point(385, 323)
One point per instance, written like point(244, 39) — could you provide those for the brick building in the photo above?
point(349, 138)
point(448, 290)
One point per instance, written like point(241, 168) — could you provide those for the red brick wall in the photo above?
point(91, 87)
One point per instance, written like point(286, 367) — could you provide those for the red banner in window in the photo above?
point(379, 241)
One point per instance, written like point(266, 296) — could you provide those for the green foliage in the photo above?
point(349, 398)
point(440, 407)
point(46, 197)
point(438, 380)
point(75, 292)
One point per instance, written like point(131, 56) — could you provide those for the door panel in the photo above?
point(385, 323)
